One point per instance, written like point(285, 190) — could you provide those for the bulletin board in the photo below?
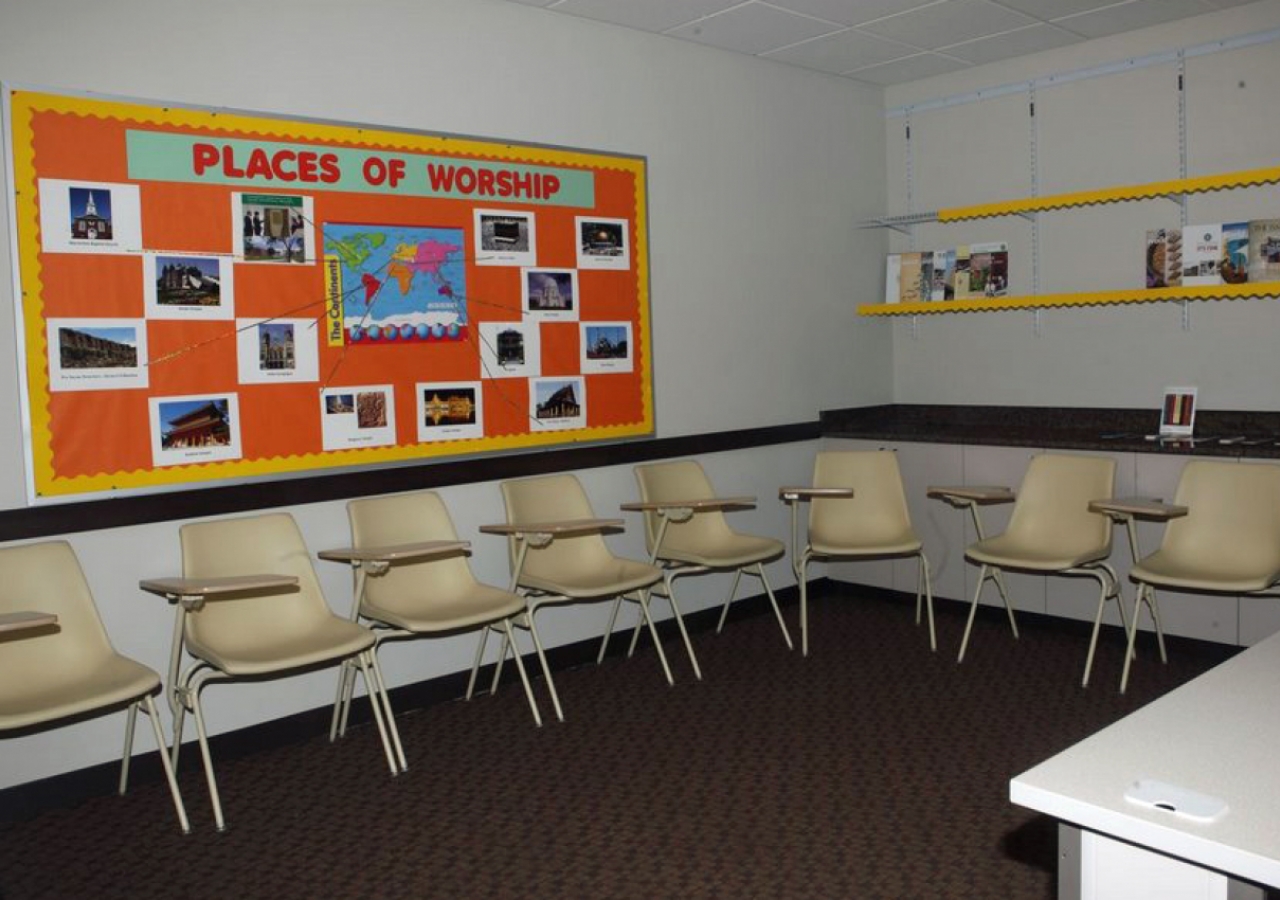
point(207, 295)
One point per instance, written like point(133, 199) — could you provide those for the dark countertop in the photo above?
point(1075, 428)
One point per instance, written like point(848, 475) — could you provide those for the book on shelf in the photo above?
point(1264, 250)
point(989, 270)
point(1202, 255)
point(944, 265)
point(1234, 265)
point(909, 279)
point(1164, 257)
point(893, 278)
point(960, 276)
point(926, 276)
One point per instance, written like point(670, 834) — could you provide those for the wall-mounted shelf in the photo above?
point(1098, 298)
point(1175, 190)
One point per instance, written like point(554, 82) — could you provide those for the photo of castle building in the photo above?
point(188, 281)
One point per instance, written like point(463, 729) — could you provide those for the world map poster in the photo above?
point(210, 295)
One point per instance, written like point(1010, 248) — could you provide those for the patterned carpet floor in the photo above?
point(871, 769)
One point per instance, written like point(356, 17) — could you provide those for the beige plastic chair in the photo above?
point(412, 580)
point(1053, 532)
point(255, 633)
point(558, 555)
point(857, 510)
point(1228, 543)
point(686, 533)
point(56, 661)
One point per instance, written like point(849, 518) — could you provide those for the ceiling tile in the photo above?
point(924, 65)
point(948, 23)
point(535, 2)
point(651, 15)
point(1013, 43)
point(752, 28)
point(852, 12)
point(1128, 16)
point(842, 51)
point(1056, 9)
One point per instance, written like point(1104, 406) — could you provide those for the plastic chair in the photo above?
point(686, 533)
point(255, 632)
point(1228, 543)
point(56, 661)
point(558, 555)
point(1053, 532)
point(857, 510)
point(412, 580)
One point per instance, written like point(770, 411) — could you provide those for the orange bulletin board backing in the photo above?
point(209, 295)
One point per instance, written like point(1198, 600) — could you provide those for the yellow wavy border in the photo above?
point(1097, 298)
point(1197, 185)
point(23, 106)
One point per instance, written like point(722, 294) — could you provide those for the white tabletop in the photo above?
point(1217, 735)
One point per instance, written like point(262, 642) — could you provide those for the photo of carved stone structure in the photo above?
point(371, 410)
point(82, 349)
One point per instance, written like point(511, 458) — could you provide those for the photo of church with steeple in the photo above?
point(90, 214)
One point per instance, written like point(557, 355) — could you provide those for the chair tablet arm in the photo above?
point(379, 557)
point(25, 620)
point(967, 495)
point(192, 592)
point(542, 533)
point(683, 509)
point(1122, 508)
point(805, 494)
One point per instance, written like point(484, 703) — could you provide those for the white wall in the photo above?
point(758, 174)
point(1109, 130)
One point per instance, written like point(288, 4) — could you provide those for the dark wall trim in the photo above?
point(68, 518)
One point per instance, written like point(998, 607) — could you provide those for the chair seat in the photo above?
point(1010, 553)
point(478, 605)
point(899, 545)
point(46, 697)
point(731, 552)
point(1164, 570)
point(618, 576)
point(328, 639)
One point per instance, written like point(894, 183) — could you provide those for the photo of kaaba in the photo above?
point(97, 348)
point(454, 406)
point(504, 233)
point(602, 238)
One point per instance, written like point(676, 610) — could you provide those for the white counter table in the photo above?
point(1218, 736)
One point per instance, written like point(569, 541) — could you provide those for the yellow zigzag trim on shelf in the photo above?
point(1098, 298)
point(1198, 185)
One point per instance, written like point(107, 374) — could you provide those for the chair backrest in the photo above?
point(409, 519)
point(548, 499)
point(681, 480)
point(258, 545)
point(876, 515)
point(47, 578)
point(1052, 509)
point(1233, 517)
